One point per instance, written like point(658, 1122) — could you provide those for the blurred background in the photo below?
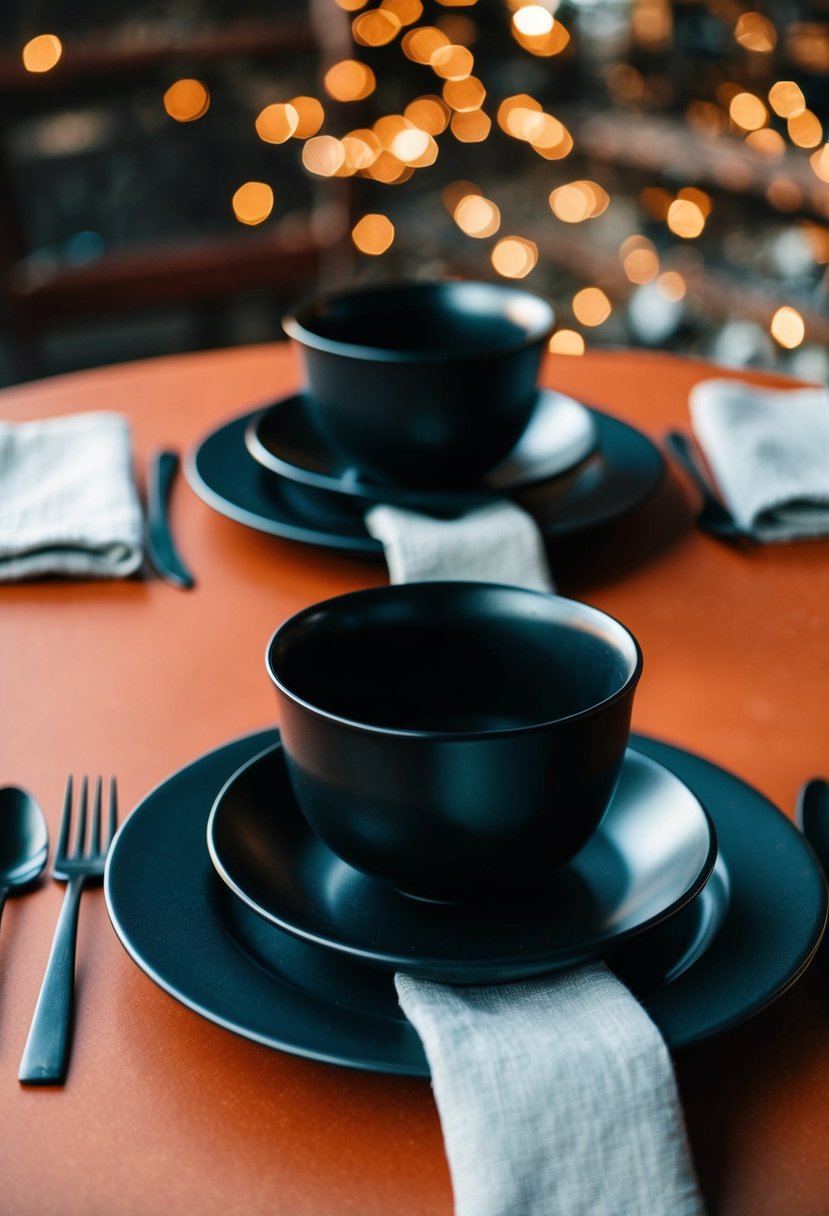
point(174, 175)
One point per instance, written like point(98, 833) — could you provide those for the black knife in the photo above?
point(161, 550)
point(812, 817)
point(713, 516)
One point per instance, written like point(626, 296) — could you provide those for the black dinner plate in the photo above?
point(283, 439)
point(263, 848)
point(627, 469)
point(193, 937)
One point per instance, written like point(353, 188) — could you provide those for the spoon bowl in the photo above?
point(24, 840)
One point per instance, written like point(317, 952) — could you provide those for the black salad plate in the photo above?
point(283, 439)
point(746, 938)
point(626, 470)
point(653, 852)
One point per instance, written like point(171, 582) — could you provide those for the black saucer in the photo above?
point(615, 887)
point(702, 971)
point(561, 435)
point(627, 469)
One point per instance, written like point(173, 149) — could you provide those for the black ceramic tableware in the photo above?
point(627, 471)
point(712, 966)
point(651, 855)
point(459, 739)
point(425, 383)
point(560, 437)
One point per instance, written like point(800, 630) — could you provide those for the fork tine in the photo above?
point(80, 831)
point(66, 821)
point(113, 810)
point(95, 836)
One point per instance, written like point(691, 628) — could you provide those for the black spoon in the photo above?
point(24, 840)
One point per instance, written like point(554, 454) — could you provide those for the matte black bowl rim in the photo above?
point(297, 328)
point(369, 728)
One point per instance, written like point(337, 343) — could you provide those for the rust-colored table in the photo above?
point(166, 1112)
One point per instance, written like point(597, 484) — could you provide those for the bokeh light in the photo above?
point(784, 194)
point(187, 100)
point(323, 155)
point(787, 327)
point(577, 201)
point(755, 32)
point(349, 80)
point(277, 123)
point(532, 19)
point(464, 95)
point(42, 53)
point(375, 28)
point(421, 44)
point(452, 62)
point(767, 143)
point(253, 202)
point(406, 11)
point(477, 216)
point(639, 259)
point(786, 98)
point(311, 116)
point(805, 129)
point(514, 257)
point(373, 234)
point(820, 163)
point(748, 111)
point(414, 147)
point(591, 306)
point(566, 342)
point(430, 113)
point(360, 150)
point(471, 128)
point(685, 219)
point(672, 285)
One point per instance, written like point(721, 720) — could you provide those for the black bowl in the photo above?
point(461, 740)
point(425, 384)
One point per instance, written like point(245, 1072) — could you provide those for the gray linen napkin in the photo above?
point(769, 452)
point(68, 501)
point(557, 1096)
point(498, 543)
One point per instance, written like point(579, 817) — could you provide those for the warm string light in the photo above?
point(787, 327)
point(186, 100)
point(42, 53)
point(770, 126)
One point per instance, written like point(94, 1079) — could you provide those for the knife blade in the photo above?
point(161, 550)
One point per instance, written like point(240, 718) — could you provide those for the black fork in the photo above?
point(46, 1054)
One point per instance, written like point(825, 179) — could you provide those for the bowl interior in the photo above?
point(453, 658)
point(425, 318)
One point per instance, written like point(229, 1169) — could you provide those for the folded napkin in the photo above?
point(68, 501)
point(769, 452)
point(498, 543)
point(556, 1098)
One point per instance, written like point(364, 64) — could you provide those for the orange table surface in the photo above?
point(164, 1111)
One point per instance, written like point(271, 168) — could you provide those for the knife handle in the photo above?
point(162, 551)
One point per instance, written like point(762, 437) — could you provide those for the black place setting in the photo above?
point(443, 825)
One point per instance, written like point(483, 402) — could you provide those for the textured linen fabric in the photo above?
point(556, 1097)
point(68, 501)
point(769, 452)
point(498, 543)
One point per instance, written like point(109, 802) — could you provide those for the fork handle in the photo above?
point(46, 1054)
